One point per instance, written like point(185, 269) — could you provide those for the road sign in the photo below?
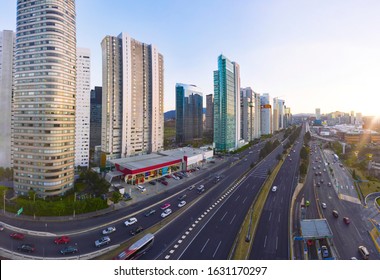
point(19, 211)
point(298, 238)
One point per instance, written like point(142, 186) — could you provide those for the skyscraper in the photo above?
point(265, 115)
point(7, 41)
point(133, 93)
point(209, 113)
point(82, 111)
point(317, 113)
point(275, 114)
point(96, 117)
point(44, 97)
point(226, 105)
point(257, 120)
point(189, 113)
point(247, 112)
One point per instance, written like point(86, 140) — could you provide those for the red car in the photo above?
point(346, 220)
point(62, 240)
point(166, 205)
point(17, 235)
point(164, 183)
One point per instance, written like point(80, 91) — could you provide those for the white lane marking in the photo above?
point(233, 219)
point(205, 245)
point(171, 251)
point(265, 241)
point(279, 217)
point(223, 216)
point(276, 242)
point(282, 199)
point(237, 198)
point(244, 199)
point(216, 249)
point(270, 215)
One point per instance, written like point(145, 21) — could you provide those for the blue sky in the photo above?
point(314, 53)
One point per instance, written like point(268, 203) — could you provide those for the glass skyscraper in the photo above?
point(226, 105)
point(189, 113)
point(44, 97)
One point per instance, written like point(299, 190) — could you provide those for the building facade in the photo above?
point(95, 117)
point(257, 118)
point(318, 114)
point(82, 109)
point(44, 97)
point(209, 113)
point(226, 105)
point(189, 113)
point(247, 114)
point(265, 115)
point(7, 44)
point(132, 103)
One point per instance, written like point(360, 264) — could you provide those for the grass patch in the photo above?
point(243, 248)
point(367, 187)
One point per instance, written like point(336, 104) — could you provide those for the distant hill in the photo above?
point(170, 115)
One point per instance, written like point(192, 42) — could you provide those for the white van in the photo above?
point(141, 188)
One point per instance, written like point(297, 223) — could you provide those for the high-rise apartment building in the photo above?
point(189, 113)
point(247, 112)
point(133, 93)
point(82, 110)
point(318, 114)
point(257, 118)
point(265, 114)
point(209, 113)
point(7, 43)
point(275, 114)
point(44, 97)
point(226, 105)
point(281, 113)
point(96, 117)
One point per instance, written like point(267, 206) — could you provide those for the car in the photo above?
point(191, 187)
point(16, 235)
point(164, 206)
point(182, 197)
point(29, 248)
point(181, 204)
point(175, 177)
point(102, 241)
point(164, 183)
point(307, 203)
point(346, 220)
point(130, 221)
point(324, 206)
point(324, 251)
point(1, 227)
point(364, 252)
point(136, 230)
point(62, 240)
point(329, 184)
point(335, 213)
point(152, 182)
point(166, 213)
point(141, 188)
point(167, 176)
point(127, 196)
point(318, 184)
point(321, 181)
point(108, 230)
point(149, 212)
point(274, 188)
point(200, 187)
point(69, 250)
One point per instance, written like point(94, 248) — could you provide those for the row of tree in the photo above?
point(268, 148)
point(6, 173)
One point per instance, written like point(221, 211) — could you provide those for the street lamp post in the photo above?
point(34, 205)
point(75, 198)
point(4, 203)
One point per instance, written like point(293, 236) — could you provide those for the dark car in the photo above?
point(136, 230)
point(127, 196)
point(152, 182)
point(335, 213)
point(182, 197)
point(164, 183)
point(29, 248)
point(17, 235)
point(150, 212)
point(69, 250)
point(346, 220)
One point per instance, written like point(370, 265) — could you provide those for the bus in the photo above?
point(137, 249)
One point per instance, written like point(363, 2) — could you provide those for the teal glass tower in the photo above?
point(226, 105)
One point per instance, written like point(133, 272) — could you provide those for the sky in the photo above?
point(313, 54)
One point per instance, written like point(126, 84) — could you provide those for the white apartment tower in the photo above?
point(7, 41)
point(44, 97)
point(133, 97)
point(257, 118)
point(247, 113)
point(82, 109)
point(266, 115)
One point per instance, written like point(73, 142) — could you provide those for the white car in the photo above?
point(274, 189)
point(130, 221)
point(108, 230)
point(175, 177)
point(102, 241)
point(181, 204)
point(141, 188)
point(324, 206)
point(166, 213)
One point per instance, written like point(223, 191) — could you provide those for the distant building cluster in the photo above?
point(52, 120)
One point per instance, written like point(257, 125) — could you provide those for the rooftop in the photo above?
point(315, 229)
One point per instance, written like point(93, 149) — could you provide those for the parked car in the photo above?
point(182, 203)
point(149, 212)
point(29, 248)
point(324, 251)
point(164, 206)
point(69, 250)
point(108, 230)
point(141, 188)
point(166, 213)
point(136, 230)
point(16, 235)
point(62, 240)
point(102, 241)
point(346, 220)
point(164, 183)
point(127, 196)
point(152, 182)
point(130, 221)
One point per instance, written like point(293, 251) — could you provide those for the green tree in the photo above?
point(116, 197)
point(303, 169)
